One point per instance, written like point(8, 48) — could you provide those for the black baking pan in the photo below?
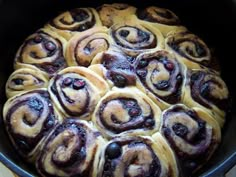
point(213, 21)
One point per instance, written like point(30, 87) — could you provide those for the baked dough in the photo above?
point(115, 91)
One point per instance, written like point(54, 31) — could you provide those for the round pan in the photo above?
point(212, 21)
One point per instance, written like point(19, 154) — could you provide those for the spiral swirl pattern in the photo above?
point(190, 49)
point(162, 75)
point(29, 118)
point(158, 15)
point(44, 50)
point(70, 150)
point(126, 111)
point(192, 134)
point(82, 48)
point(135, 156)
point(207, 90)
point(77, 20)
point(25, 79)
point(134, 38)
point(75, 93)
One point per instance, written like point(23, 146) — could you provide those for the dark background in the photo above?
point(213, 21)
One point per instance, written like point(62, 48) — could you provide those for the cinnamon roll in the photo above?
point(205, 89)
point(189, 49)
point(76, 91)
point(113, 71)
point(83, 47)
point(25, 79)
point(74, 21)
point(126, 112)
point(134, 38)
point(43, 50)
point(137, 156)
point(115, 13)
point(163, 19)
point(71, 150)
point(161, 77)
point(192, 134)
point(29, 118)
point(115, 67)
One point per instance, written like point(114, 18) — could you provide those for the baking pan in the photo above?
point(213, 21)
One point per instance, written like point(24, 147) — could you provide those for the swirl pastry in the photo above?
point(83, 47)
point(115, 13)
point(189, 49)
point(193, 135)
point(126, 112)
point(74, 21)
point(115, 67)
point(76, 91)
point(163, 19)
point(205, 89)
point(25, 79)
point(137, 156)
point(43, 50)
point(95, 75)
point(29, 118)
point(134, 38)
point(161, 77)
point(71, 150)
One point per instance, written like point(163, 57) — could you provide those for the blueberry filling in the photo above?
point(113, 151)
point(162, 85)
point(180, 129)
point(18, 81)
point(124, 33)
